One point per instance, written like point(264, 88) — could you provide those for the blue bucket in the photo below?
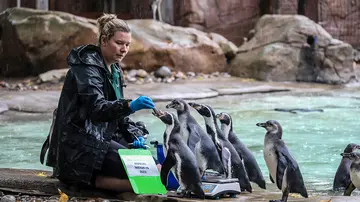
point(172, 183)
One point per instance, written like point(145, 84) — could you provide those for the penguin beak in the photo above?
point(357, 147)
point(194, 105)
point(220, 116)
point(171, 105)
point(158, 113)
point(346, 155)
point(261, 125)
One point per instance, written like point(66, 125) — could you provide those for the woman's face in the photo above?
point(115, 49)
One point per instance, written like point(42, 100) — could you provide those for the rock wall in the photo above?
point(231, 18)
point(341, 19)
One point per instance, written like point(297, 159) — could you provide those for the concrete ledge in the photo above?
point(37, 182)
point(249, 90)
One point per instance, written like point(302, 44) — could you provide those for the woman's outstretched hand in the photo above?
point(142, 102)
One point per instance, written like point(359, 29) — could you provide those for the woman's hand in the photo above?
point(142, 102)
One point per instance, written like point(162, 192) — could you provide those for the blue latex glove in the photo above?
point(142, 102)
point(140, 143)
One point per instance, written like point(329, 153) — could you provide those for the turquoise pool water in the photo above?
point(315, 139)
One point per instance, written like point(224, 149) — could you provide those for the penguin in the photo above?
point(196, 138)
point(235, 167)
point(252, 168)
point(354, 172)
point(283, 168)
point(46, 144)
point(342, 176)
point(179, 156)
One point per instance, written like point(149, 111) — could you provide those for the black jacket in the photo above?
point(88, 117)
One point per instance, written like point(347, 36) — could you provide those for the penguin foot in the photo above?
point(186, 194)
point(279, 200)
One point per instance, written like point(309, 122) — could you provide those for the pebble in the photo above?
point(27, 198)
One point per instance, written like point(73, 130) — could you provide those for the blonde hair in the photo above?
point(108, 24)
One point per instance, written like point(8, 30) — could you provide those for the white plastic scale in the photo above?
point(216, 186)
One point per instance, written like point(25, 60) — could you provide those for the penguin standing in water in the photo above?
point(196, 138)
point(283, 168)
point(236, 167)
point(179, 156)
point(354, 172)
point(342, 176)
point(252, 168)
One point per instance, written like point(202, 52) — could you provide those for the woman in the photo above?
point(92, 112)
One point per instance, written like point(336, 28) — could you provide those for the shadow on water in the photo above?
point(315, 139)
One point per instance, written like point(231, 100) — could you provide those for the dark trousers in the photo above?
point(112, 165)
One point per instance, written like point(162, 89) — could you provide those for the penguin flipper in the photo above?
point(169, 162)
point(349, 189)
point(271, 179)
point(226, 161)
point(44, 148)
point(287, 165)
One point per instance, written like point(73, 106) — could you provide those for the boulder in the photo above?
point(157, 44)
point(293, 48)
point(53, 76)
point(35, 41)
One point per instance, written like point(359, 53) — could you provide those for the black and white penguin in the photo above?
point(283, 168)
point(342, 176)
point(179, 156)
point(354, 172)
point(235, 167)
point(252, 167)
point(196, 138)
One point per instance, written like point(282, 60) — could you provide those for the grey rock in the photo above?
point(190, 74)
point(132, 73)
point(52, 76)
point(290, 55)
point(163, 72)
point(141, 73)
point(8, 198)
point(3, 108)
point(130, 78)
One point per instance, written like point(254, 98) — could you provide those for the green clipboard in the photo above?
point(142, 171)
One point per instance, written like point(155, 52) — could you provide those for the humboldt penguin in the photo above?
point(179, 156)
point(236, 165)
point(283, 168)
point(196, 138)
point(342, 176)
point(354, 172)
point(252, 168)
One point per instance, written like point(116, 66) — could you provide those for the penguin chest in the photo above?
point(271, 160)
point(355, 177)
point(184, 130)
point(179, 171)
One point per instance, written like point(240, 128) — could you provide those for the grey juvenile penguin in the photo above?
point(178, 155)
point(354, 172)
point(283, 168)
point(252, 167)
point(196, 138)
point(342, 176)
point(236, 167)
